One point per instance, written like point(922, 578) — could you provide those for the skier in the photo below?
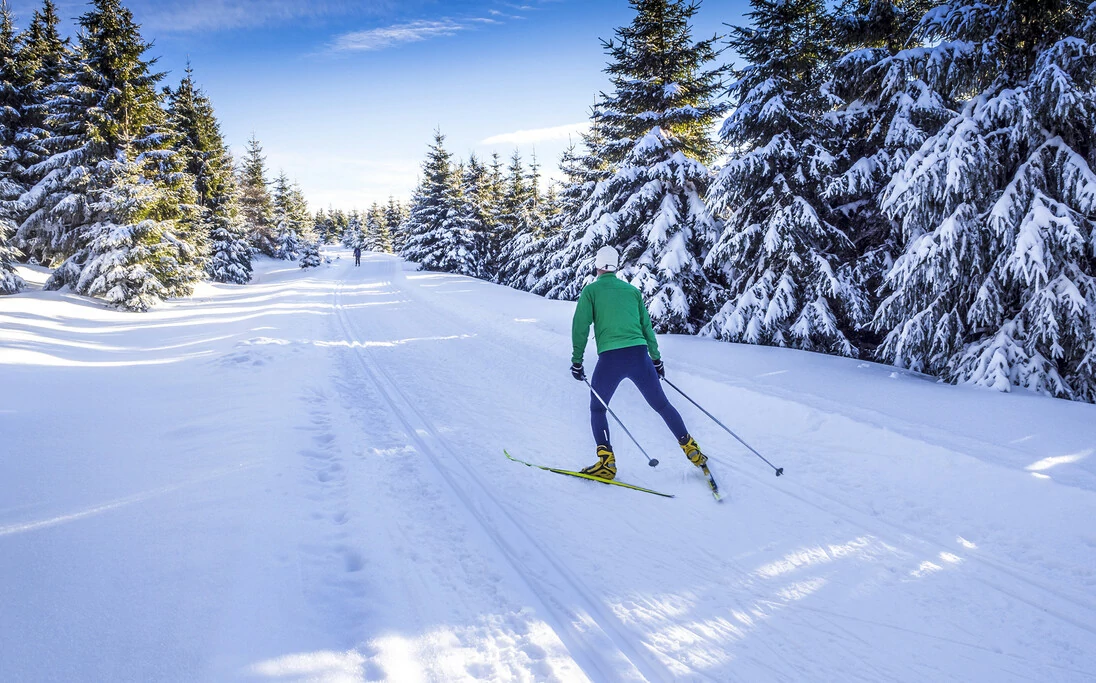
point(626, 348)
point(357, 256)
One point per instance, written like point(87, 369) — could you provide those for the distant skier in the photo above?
point(626, 348)
point(357, 256)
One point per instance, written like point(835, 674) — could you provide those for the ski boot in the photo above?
point(605, 467)
point(692, 452)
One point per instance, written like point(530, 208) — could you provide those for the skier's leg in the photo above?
point(642, 372)
point(610, 370)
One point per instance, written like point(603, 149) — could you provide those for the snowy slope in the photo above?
point(302, 479)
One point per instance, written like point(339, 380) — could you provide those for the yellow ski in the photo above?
point(591, 477)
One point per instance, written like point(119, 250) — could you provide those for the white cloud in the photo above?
point(525, 137)
point(388, 36)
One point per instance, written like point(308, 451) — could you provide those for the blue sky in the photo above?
point(345, 95)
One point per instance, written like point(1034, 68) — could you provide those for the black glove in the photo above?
point(660, 369)
point(577, 372)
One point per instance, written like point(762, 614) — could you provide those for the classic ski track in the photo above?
point(564, 619)
point(874, 526)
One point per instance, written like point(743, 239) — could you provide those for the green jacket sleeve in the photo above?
point(648, 330)
point(580, 326)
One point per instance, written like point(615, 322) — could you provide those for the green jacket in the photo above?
point(619, 317)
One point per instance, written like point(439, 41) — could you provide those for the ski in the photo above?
point(711, 483)
point(591, 477)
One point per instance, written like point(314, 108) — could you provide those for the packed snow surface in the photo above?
point(303, 479)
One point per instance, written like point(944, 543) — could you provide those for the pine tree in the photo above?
point(522, 258)
point(394, 216)
point(570, 265)
point(508, 219)
point(656, 126)
point(780, 253)
point(256, 206)
point(354, 236)
point(287, 236)
point(208, 161)
point(47, 61)
point(380, 238)
point(11, 106)
point(996, 283)
point(888, 112)
point(112, 193)
point(310, 255)
point(427, 229)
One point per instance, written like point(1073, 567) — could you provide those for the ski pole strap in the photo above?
point(779, 470)
point(650, 461)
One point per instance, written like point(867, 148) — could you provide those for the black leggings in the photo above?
point(632, 363)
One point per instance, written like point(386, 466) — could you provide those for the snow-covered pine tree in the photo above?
point(46, 61)
point(394, 215)
point(209, 162)
point(508, 219)
point(522, 259)
point(256, 206)
point(570, 262)
point(656, 124)
point(996, 283)
point(428, 228)
point(780, 253)
point(310, 255)
point(287, 237)
point(888, 112)
point(379, 238)
point(354, 235)
point(12, 83)
point(113, 188)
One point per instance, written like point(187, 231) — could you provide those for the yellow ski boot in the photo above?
point(692, 452)
point(605, 467)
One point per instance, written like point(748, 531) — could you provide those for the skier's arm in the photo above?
point(580, 326)
point(648, 330)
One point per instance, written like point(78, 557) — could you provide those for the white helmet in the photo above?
point(607, 258)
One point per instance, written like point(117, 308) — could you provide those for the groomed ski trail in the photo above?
point(578, 628)
point(487, 336)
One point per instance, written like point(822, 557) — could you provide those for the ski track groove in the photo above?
point(565, 621)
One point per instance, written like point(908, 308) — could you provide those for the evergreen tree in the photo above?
point(256, 206)
point(508, 220)
point(889, 112)
point(11, 104)
point(310, 255)
point(208, 161)
point(230, 257)
point(380, 237)
point(394, 215)
point(46, 61)
point(570, 265)
point(780, 254)
point(522, 258)
point(354, 235)
point(287, 236)
point(996, 283)
point(112, 192)
point(656, 126)
point(432, 239)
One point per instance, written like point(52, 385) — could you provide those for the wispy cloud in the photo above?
point(398, 34)
point(525, 137)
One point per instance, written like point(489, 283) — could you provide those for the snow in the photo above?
point(303, 479)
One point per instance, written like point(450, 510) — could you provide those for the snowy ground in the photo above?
point(303, 479)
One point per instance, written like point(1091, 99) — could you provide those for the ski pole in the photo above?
point(779, 470)
point(650, 461)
